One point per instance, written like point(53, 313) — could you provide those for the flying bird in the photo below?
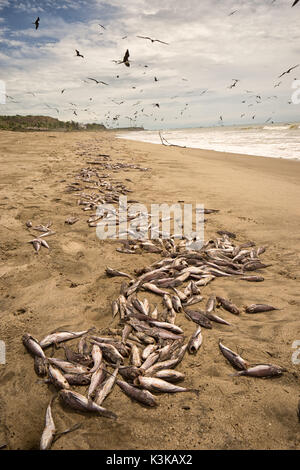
point(295, 3)
point(235, 81)
point(101, 26)
point(97, 81)
point(37, 23)
point(125, 59)
point(153, 40)
point(277, 84)
point(62, 91)
point(78, 54)
point(232, 13)
point(289, 70)
point(155, 79)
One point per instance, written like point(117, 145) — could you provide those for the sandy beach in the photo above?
point(66, 287)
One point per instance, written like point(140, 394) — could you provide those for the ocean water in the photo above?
point(275, 141)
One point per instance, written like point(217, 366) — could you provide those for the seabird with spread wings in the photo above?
point(37, 23)
point(288, 71)
point(97, 81)
point(153, 40)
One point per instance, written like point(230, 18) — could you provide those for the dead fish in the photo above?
point(154, 289)
point(142, 396)
point(180, 294)
point(252, 278)
point(225, 232)
point(71, 220)
point(77, 358)
point(193, 300)
point(138, 305)
point(227, 305)
point(59, 337)
point(81, 403)
point(49, 430)
point(97, 358)
point(83, 347)
point(144, 338)
point(217, 319)
point(113, 273)
point(168, 302)
point(28, 224)
point(115, 308)
point(106, 387)
point(148, 350)
point(135, 358)
point(36, 245)
point(259, 308)
point(78, 379)
point(154, 314)
point(161, 333)
point(68, 366)
point(262, 370)
point(154, 384)
point(198, 317)
point(57, 378)
point(151, 359)
point(167, 326)
point(97, 379)
point(129, 373)
point(126, 332)
point(195, 341)
point(170, 375)
point(33, 346)
point(205, 280)
point(234, 359)
point(40, 366)
point(254, 265)
point(110, 352)
point(211, 304)
point(176, 302)
point(169, 364)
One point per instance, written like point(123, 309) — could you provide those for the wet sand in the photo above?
point(66, 287)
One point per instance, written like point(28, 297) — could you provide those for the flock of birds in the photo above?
point(111, 118)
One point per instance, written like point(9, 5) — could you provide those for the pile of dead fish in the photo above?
point(38, 242)
point(147, 345)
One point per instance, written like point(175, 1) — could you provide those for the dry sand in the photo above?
point(66, 287)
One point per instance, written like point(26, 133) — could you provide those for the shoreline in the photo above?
point(253, 196)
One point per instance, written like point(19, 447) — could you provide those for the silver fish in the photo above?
point(97, 358)
point(154, 384)
point(195, 341)
point(170, 375)
point(68, 366)
point(49, 430)
point(81, 403)
point(106, 387)
point(59, 337)
point(33, 346)
point(142, 396)
point(57, 378)
point(262, 370)
point(234, 359)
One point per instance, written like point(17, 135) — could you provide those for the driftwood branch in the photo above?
point(167, 144)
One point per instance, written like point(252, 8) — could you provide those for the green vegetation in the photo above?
point(43, 123)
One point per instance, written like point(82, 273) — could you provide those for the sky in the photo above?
point(210, 43)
